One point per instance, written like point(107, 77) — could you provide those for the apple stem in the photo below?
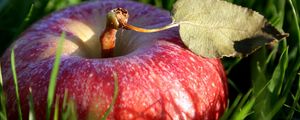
point(117, 18)
point(107, 40)
point(108, 37)
point(138, 29)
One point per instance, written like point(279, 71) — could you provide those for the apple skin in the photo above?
point(158, 77)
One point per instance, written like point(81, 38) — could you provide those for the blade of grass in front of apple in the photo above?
point(68, 108)
point(64, 105)
point(64, 114)
point(70, 112)
point(54, 73)
point(116, 92)
point(56, 108)
point(3, 115)
point(31, 106)
point(13, 68)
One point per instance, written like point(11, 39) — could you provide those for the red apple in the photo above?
point(158, 77)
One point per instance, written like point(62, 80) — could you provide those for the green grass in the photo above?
point(116, 92)
point(13, 68)
point(3, 115)
point(68, 109)
point(31, 106)
point(268, 89)
point(54, 72)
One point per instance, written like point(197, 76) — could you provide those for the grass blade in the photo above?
point(1, 80)
point(68, 108)
point(276, 82)
point(13, 68)
point(276, 108)
point(116, 91)
point(69, 113)
point(229, 111)
point(245, 110)
point(56, 109)
point(296, 21)
point(65, 113)
point(3, 115)
point(245, 104)
point(64, 105)
point(245, 98)
point(54, 72)
point(296, 100)
point(31, 106)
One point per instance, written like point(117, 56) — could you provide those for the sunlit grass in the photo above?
point(56, 109)
point(54, 72)
point(3, 115)
point(14, 72)
point(274, 91)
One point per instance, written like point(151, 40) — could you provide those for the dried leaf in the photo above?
point(215, 28)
